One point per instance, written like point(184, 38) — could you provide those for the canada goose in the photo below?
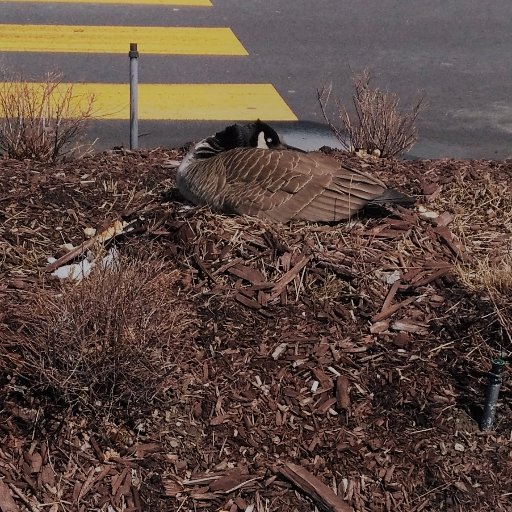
point(245, 169)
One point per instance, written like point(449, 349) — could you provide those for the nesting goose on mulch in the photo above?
point(245, 169)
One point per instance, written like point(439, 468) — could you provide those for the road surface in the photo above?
point(458, 53)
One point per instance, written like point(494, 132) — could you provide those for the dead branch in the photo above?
point(322, 495)
point(377, 125)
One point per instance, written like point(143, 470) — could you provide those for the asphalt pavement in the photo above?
point(457, 53)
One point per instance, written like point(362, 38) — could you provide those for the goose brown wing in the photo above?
point(285, 185)
point(347, 192)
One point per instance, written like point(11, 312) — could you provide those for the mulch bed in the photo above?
point(350, 357)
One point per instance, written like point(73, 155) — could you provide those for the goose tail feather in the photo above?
point(390, 195)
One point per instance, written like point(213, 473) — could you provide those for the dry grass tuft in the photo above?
point(483, 222)
point(378, 126)
point(492, 280)
point(483, 213)
point(487, 275)
point(111, 341)
point(42, 121)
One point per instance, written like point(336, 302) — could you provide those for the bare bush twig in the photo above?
point(377, 126)
point(41, 120)
point(111, 341)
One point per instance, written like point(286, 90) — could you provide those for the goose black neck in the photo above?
point(208, 147)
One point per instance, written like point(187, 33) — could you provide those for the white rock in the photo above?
point(459, 447)
point(279, 350)
point(393, 277)
point(67, 247)
point(75, 271)
point(428, 215)
point(89, 232)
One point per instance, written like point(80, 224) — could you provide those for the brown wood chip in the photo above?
point(432, 277)
point(7, 503)
point(218, 420)
point(227, 483)
point(246, 301)
point(97, 449)
point(444, 219)
point(392, 309)
point(342, 392)
point(391, 295)
point(323, 496)
point(288, 277)
point(326, 405)
point(252, 275)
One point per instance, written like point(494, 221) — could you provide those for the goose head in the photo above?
point(252, 135)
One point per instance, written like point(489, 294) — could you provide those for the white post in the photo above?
point(134, 82)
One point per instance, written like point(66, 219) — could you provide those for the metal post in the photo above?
point(134, 83)
point(491, 393)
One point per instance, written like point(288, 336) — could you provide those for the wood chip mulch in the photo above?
point(342, 367)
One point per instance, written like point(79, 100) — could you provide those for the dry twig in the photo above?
point(378, 126)
point(40, 121)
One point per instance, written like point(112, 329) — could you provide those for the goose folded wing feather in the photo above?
point(268, 184)
point(286, 185)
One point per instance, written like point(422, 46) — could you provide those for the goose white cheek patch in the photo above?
point(262, 143)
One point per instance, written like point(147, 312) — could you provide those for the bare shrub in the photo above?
point(377, 126)
point(110, 341)
point(42, 120)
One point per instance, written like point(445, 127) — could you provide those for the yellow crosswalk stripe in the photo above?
point(183, 101)
point(185, 3)
point(116, 39)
